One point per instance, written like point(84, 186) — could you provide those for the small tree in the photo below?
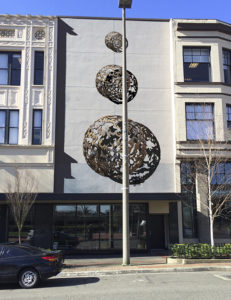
point(21, 195)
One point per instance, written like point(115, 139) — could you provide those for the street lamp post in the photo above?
point(126, 243)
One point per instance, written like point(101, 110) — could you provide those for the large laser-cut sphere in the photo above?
point(109, 83)
point(113, 41)
point(102, 148)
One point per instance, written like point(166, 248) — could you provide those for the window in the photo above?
point(189, 203)
point(37, 127)
point(199, 121)
point(9, 127)
point(10, 68)
point(85, 227)
point(38, 67)
point(228, 112)
point(221, 173)
point(227, 66)
point(196, 64)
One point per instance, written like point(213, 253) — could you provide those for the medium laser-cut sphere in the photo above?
point(113, 41)
point(109, 83)
point(102, 149)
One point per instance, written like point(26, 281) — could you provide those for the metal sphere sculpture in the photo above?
point(109, 83)
point(113, 41)
point(102, 148)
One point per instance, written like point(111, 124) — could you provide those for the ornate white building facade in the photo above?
point(27, 98)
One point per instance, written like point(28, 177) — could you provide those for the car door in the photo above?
point(10, 261)
point(6, 265)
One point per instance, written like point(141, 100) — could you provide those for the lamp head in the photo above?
point(125, 3)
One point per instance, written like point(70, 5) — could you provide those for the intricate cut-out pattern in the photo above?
point(39, 34)
point(102, 148)
point(8, 33)
point(109, 83)
point(113, 41)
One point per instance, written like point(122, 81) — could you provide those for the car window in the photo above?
point(1, 251)
point(11, 252)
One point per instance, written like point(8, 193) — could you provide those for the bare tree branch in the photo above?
point(21, 195)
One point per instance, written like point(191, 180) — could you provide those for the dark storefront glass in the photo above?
point(189, 201)
point(27, 233)
point(64, 234)
point(97, 227)
point(138, 223)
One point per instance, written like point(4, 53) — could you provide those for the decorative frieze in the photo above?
point(39, 34)
point(7, 33)
point(12, 43)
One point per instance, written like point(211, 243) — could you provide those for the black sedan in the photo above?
point(28, 265)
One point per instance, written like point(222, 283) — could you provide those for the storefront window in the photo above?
point(27, 233)
point(97, 227)
point(64, 234)
point(189, 200)
point(222, 228)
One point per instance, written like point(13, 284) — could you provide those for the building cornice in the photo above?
point(220, 27)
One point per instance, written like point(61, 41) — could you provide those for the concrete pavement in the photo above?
point(104, 265)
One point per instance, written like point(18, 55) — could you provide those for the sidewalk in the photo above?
point(87, 266)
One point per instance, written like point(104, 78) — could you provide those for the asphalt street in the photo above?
point(186, 285)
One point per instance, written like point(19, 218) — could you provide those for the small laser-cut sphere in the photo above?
point(109, 83)
point(102, 149)
point(113, 41)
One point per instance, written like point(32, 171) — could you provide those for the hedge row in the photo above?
point(200, 251)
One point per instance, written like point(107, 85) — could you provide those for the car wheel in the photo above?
point(28, 278)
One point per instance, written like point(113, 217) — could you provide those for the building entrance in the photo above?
point(157, 234)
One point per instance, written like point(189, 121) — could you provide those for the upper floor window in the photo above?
point(196, 64)
point(10, 68)
point(228, 112)
point(227, 66)
point(9, 126)
point(37, 127)
point(199, 121)
point(221, 173)
point(38, 67)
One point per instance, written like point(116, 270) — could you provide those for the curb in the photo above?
point(138, 271)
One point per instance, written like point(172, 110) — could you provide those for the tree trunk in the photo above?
point(19, 236)
point(210, 215)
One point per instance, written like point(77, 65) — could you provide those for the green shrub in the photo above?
point(200, 251)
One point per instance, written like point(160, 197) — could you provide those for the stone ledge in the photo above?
point(185, 261)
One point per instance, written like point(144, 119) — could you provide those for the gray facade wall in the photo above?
point(148, 57)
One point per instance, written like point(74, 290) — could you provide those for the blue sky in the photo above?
point(109, 8)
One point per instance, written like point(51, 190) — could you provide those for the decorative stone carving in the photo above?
point(3, 97)
point(51, 34)
point(102, 148)
point(25, 129)
point(20, 33)
point(50, 58)
point(13, 98)
point(109, 83)
point(39, 34)
point(8, 33)
point(113, 41)
point(48, 129)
